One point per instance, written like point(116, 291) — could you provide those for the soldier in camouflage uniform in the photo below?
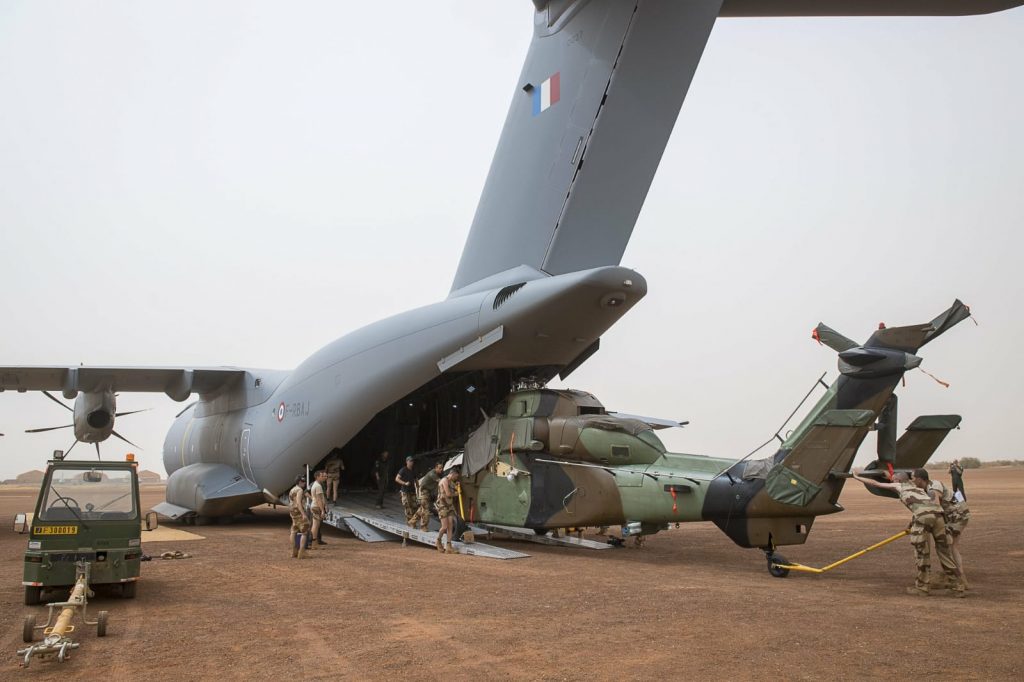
point(427, 488)
point(446, 491)
point(300, 519)
point(334, 467)
point(927, 522)
point(407, 487)
point(957, 514)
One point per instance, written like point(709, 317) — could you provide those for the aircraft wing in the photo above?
point(176, 382)
point(851, 8)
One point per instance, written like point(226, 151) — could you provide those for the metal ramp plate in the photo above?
point(429, 538)
point(358, 513)
point(366, 532)
point(528, 535)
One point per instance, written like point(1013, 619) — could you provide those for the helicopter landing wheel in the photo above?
point(777, 571)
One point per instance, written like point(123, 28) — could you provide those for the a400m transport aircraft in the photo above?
point(538, 283)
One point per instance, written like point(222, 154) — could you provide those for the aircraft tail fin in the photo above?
point(830, 445)
point(590, 116)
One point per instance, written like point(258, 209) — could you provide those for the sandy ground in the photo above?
point(688, 605)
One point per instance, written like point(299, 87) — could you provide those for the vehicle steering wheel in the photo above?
point(66, 500)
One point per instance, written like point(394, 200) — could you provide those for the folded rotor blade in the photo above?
point(49, 428)
point(50, 396)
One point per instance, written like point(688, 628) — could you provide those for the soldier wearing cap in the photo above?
point(445, 505)
point(927, 522)
point(407, 487)
point(300, 519)
point(956, 514)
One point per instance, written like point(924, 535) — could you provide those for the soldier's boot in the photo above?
point(917, 592)
point(450, 549)
point(438, 544)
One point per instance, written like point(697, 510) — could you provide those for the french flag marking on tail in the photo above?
point(547, 94)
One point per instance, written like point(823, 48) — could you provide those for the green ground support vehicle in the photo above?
point(86, 512)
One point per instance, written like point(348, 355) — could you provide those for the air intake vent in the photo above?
point(506, 293)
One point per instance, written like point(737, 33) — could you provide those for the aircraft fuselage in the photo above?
point(273, 424)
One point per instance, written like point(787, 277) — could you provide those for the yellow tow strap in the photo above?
point(811, 569)
point(458, 491)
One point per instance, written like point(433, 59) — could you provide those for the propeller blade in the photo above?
point(115, 433)
point(71, 448)
point(97, 451)
point(186, 409)
point(49, 428)
point(124, 414)
point(50, 396)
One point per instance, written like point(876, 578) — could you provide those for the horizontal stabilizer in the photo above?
point(853, 8)
point(922, 438)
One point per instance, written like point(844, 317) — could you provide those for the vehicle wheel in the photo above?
point(777, 571)
point(101, 622)
point(540, 531)
point(33, 595)
point(28, 629)
point(128, 590)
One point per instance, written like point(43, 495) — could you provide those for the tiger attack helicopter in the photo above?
point(556, 458)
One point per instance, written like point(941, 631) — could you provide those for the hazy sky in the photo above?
point(239, 183)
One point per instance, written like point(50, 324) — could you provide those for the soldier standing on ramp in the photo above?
point(428, 488)
point(300, 522)
point(334, 468)
point(318, 506)
point(380, 476)
point(446, 509)
point(407, 487)
point(927, 522)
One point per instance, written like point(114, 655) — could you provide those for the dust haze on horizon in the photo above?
point(241, 183)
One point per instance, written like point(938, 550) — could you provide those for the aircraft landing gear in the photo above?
point(773, 561)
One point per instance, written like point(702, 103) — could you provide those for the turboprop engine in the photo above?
point(93, 417)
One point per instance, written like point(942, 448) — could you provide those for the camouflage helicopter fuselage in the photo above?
point(557, 459)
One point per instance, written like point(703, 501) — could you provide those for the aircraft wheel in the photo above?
point(540, 531)
point(33, 595)
point(128, 590)
point(777, 571)
point(101, 623)
point(28, 629)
